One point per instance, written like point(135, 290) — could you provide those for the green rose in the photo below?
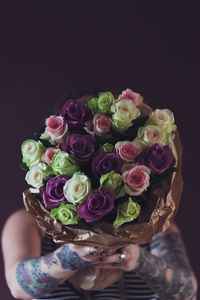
point(64, 164)
point(112, 181)
point(93, 105)
point(107, 147)
point(77, 189)
point(66, 213)
point(119, 125)
point(104, 102)
point(127, 212)
point(151, 134)
point(32, 152)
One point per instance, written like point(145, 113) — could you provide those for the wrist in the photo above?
point(69, 259)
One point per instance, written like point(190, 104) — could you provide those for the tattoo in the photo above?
point(33, 280)
point(167, 270)
point(69, 259)
point(50, 260)
point(162, 247)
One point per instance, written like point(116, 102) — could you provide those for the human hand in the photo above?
point(127, 260)
point(87, 253)
point(74, 256)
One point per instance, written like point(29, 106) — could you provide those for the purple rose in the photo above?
point(52, 193)
point(96, 206)
point(82, 147)
point(158, 158)
point(105, 163)
point(75, 113)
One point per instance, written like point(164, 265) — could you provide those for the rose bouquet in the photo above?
point(104, 172)
point(100, 161)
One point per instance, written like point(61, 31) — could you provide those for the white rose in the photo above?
point(37, 174)
point(77, 189)
point(151, 134)
point(125, 111)
point(32, 152)
point(164, 118)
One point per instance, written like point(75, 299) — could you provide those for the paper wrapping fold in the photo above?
point(162, 206)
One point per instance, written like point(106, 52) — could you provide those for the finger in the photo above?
point(112, 258)
point(85, 250)
point(89, 254)
point(111, 251)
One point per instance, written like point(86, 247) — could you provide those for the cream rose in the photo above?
point(124, 112)
point(164, 118)
point(37, 174)
point(151, 134)
point(77, 189)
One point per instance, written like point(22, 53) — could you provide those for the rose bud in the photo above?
point(56, 128)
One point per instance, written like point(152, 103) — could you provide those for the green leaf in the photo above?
point(121, 193)
point(93, 105)
point(45, 143)
point(127, 212)
point(23, 166)
point(54, 212)
point(104, 177)
point(38, 133)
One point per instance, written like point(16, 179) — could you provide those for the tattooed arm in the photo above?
point(27, 273)
point(165, 268)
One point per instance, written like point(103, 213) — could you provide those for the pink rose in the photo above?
point(101, 124)
point(48, 155)
point(128, 150)
point(136, 180)
point(128, 94)
point(56, 127)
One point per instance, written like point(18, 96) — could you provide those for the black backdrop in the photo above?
point(51, 47)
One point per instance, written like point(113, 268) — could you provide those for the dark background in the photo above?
point(49, 48)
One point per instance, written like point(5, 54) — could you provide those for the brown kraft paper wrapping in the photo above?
point(161, 209)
